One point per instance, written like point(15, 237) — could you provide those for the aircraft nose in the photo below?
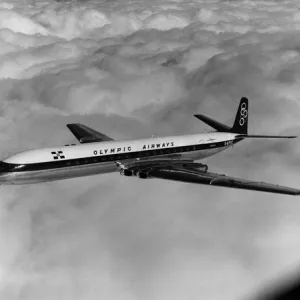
point(4, 172)
point(4, 167)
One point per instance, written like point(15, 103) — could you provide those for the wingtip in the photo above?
point(70, 124)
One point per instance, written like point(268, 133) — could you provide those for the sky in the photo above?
point(133, 69)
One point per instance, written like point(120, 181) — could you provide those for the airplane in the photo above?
point(170, 157)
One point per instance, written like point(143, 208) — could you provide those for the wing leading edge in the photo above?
point(85, 134)
point(191, 172)
point(214, 179)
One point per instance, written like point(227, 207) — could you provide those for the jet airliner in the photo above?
point(171, 157)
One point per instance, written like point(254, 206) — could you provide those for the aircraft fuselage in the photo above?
point(48, 164)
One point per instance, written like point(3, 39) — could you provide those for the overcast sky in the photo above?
point(132, 69)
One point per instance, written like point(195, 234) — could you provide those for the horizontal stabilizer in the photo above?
point(240, 124)
point(85, 134)
point(213, 123)
point(266, 136)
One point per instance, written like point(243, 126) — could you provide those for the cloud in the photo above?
point(19, 23)
point(133, 70)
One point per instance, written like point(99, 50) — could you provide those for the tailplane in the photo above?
point(254, 136)
point(240, 124)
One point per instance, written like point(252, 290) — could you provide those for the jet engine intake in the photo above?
point(126, 172)
point(198, 166)
point(142, 175)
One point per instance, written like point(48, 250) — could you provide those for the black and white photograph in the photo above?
point(149, 149)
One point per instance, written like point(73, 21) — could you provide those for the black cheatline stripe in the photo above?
point(113, 157)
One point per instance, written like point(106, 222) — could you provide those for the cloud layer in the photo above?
point(135, 69)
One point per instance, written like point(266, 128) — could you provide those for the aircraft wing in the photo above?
point(191, 172)
point(85, 134)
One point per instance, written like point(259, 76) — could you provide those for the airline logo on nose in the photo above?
point(58, 155)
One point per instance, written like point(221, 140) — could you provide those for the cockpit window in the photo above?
point(18, 167)
point(4, 167)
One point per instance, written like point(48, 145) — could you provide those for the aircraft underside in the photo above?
point(58, 173)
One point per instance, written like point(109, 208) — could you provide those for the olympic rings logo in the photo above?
point(243, 114)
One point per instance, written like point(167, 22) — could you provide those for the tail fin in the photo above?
point(240, 124)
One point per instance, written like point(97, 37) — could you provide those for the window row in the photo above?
point(105, 158)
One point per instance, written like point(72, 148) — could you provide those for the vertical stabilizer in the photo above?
point(240, 124)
